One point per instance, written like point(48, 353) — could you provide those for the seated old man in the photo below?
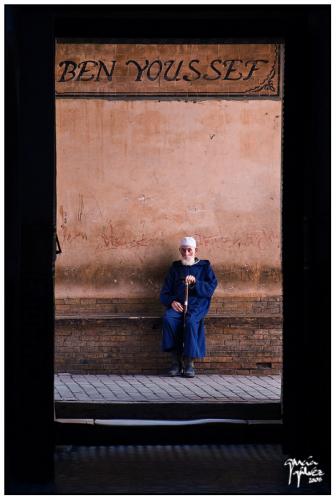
point(183, 322)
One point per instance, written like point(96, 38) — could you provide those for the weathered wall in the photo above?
point(133, 176)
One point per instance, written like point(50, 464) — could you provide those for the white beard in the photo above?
point(188, 262)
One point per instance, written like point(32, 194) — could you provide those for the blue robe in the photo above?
point(191, 341)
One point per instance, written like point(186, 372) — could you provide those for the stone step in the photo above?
point(168, 411)
point(196, 431)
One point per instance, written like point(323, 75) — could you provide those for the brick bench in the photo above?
point(129, 343)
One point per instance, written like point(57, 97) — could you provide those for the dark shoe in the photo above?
point(189, 370)
point(176, 366)
point(175, 370)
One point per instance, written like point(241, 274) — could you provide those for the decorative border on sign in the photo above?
point(267, 84)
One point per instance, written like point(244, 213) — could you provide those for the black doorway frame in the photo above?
point(30, 203)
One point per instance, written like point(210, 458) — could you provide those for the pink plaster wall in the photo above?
point(133, 176)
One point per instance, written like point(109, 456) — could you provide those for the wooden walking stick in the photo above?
point(186, 296)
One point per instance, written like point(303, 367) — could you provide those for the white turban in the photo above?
point(188, 241)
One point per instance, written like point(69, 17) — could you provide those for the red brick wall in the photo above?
point(244, 336)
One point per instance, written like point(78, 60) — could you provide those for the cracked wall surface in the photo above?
point(134, 176)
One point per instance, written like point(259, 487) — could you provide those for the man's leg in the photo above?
point(194, 344)
point(172, 339)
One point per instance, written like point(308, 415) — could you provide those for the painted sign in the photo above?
point(228, 70)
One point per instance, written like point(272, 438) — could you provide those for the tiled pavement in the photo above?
point(156, 388)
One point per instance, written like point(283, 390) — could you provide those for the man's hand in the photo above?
point(177, 306)
point(190, 279)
